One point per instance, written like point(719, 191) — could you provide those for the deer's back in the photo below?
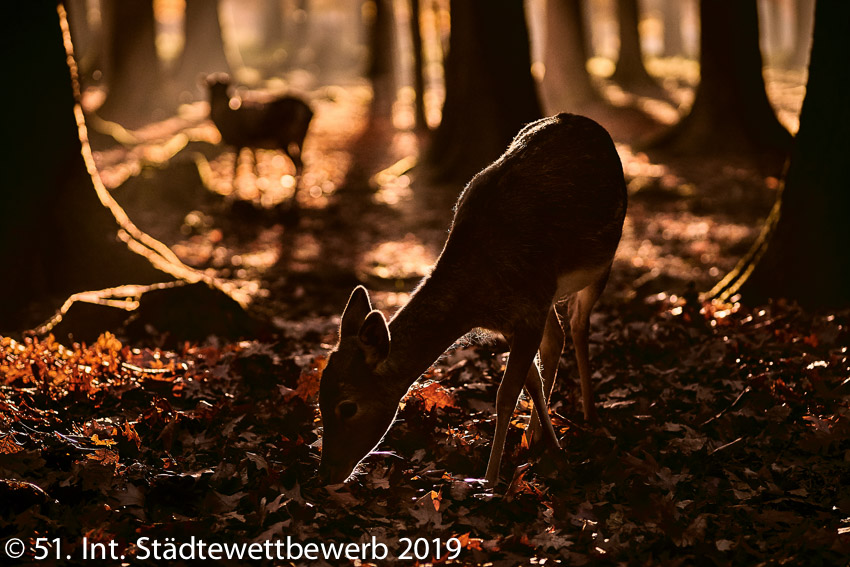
point(551, 206)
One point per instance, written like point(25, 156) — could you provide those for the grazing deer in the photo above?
point(280, 122)
point(538, 225)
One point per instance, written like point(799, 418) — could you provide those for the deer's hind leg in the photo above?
point(580, 308)
point(551, 348)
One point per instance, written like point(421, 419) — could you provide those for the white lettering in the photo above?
point(311, 551)
point(331, 550)
point(170, 551)
point(215, 551)
point(352, 551)
point(286, 549)
point(255, 551)
point(375, 545)
point(234, 550)
point(293, 547)
point(187, 550)
point(140, 544)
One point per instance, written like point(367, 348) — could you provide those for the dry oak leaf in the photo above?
point(467, 542)
point(308, 382)
point(131, 435)
point(436, 498)
point(434, 395)
point(8, 445)
point(104, 456)
point(98, 441)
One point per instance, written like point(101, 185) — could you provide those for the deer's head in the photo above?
point(357, 408)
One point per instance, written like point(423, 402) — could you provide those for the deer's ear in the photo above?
point(374, 337)
point(355, 312)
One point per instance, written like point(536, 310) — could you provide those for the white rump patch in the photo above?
point(576, 280)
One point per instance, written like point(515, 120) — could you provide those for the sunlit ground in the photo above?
point(367, 211)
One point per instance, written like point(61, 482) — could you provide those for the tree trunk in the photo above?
point(272, 22)
point(57, 236)
point(203, 49)
point(418, 66)
point(631, 73)
point(78, 21)
point(672, 11)
point(381, 70)
point(490, 93)
point(731, 114)
point(805, 11)
point(566, 85)
point(87, 39)
point(297, 30)
point(806, 259)
point(134, 76)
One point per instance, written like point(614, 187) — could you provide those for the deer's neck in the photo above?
point(423, 329)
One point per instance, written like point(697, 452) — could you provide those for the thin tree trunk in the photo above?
point(805, 11)
point(134, 76)
point(418, 66)
point(382, 55)
point(272, 23)
point(631, 72)
point(672, 10)
point(203, 49)
point(298, 32)
point(87, 38)
point(768, 19)
point(566, 85)
point(490, 93)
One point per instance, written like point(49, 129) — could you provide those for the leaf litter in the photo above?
point(722, 453)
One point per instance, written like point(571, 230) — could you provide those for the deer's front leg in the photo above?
point(523, 350)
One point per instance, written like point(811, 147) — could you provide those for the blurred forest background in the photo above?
point(157, 192)
point(399, 101)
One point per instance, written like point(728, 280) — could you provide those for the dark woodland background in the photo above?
point(170, 289)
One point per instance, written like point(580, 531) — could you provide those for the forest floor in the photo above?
point(725, 429)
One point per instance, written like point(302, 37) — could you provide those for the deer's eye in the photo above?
point(346, 410)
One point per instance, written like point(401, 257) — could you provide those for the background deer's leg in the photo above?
point(580, 328)
point(234, 188)
point(523, 350)
point(294, 154)
point(551, 348)
point(254, 162)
